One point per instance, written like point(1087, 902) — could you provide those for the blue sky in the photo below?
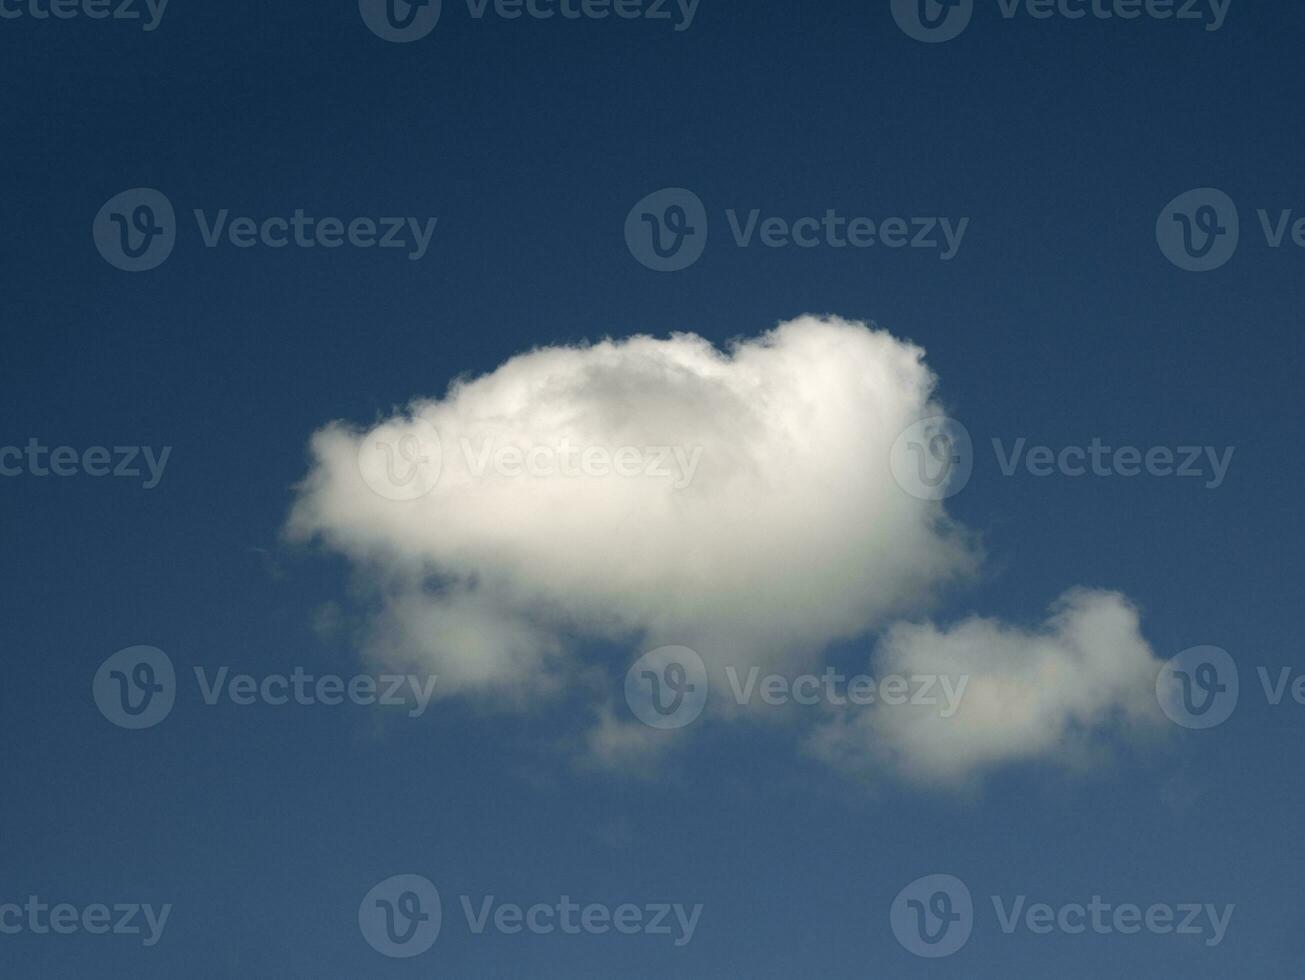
point(1059, 320)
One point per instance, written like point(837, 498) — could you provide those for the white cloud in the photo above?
point(756, 522)
point(1031, 694)
point(792, 532)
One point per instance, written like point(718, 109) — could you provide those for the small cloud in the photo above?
point(1048, 694)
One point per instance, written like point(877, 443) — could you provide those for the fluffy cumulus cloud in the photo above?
point(1026, 694)
point(650, 492)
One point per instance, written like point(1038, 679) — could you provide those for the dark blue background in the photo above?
point(1059, 321)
